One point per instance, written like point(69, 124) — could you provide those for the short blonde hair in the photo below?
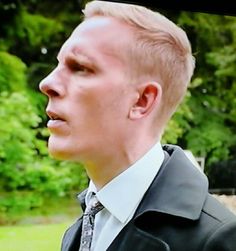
point(161, 50)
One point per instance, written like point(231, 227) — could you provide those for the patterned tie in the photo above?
point(93, 207)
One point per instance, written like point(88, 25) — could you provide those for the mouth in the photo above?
point(54, 116)
point(56, 122)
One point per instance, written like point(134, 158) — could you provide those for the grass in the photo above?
point(32, 237)
point(40, 229)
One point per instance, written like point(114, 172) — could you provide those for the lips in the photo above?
point(55, 121)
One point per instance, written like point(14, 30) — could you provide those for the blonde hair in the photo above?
point(161, 50)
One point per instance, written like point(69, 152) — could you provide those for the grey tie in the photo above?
point(94, 206)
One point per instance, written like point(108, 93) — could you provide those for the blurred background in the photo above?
point(38, 193)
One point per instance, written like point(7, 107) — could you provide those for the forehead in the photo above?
point(98, 36)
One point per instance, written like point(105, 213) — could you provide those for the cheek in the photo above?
point(98, 102)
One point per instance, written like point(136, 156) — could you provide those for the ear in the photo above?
point(149, 95)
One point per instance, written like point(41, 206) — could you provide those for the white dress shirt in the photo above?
point(121, 197)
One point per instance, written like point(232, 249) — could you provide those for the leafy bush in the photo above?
point(17, 202)
point(27, 175)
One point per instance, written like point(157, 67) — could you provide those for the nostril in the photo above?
point(52, 93)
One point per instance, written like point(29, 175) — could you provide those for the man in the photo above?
point(120, 77)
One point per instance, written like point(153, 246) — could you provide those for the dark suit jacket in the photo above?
point(176, 214)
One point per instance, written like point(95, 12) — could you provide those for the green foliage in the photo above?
point(29, 43)
point(211, 128)
point(179, 124)
point(17, 202)
point(210, 139)
point(31, 30)
point(17, 117)
point(32, 186)
point(12, 73)
point(31, 34)
point(24, 165)
point(31, 26)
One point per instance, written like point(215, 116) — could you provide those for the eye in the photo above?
point(75, 66)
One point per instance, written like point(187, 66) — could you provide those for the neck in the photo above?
point(105, 168)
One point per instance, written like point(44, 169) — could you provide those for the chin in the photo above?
point(58, 149)
point(57, 153)
point(61, 151)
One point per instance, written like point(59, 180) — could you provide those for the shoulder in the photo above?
point(221, 225)
point(217, 210)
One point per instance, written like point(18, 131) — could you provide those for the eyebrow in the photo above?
point(79, 57)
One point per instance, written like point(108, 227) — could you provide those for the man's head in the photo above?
point(119, 78)
point(159, 50)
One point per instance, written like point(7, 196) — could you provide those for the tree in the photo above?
point(211, 131)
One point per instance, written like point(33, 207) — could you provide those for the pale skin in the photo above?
point(96, 115)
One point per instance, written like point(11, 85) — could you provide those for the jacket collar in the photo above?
point(81, 197)
point(179, 189)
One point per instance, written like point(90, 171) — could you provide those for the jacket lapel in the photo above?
point(71, 239)
point(133, 238)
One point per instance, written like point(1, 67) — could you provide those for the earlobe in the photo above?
point(149, 97)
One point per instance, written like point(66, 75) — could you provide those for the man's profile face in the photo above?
point(89, 95)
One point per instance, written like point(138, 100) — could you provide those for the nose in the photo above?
point(50, 86)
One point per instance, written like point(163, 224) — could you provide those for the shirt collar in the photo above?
point(91, 190)
point(122, 195)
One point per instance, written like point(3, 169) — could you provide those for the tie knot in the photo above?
point(94, 206)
